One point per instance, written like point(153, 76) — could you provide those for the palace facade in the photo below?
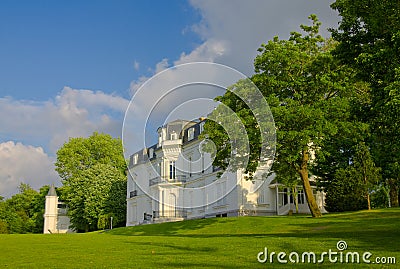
point(175, 180)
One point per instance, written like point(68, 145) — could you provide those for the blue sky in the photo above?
point(69, 68)
point(46, 45)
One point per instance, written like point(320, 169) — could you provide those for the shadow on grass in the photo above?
point(168, 228)
point(190, 264)
point(377, 229)
point(185, 248)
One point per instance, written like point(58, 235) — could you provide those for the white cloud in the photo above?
point(206, 52)
point(135, 84)
point(233, 30)
point(160, 66)
point(26, 164)
point(72, 113)
point(89, 99)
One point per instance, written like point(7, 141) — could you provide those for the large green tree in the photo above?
point(366, 170)
point(94, 182)
point(351, 185)
point(334, 170)
point(345, 191)
point(369, 41)
point(308, 93)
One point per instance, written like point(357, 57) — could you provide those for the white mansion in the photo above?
point(174, 180)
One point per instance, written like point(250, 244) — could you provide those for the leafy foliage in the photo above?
point(369, 41)
point(308, 92)
point(94, 181)
point(380, 197)
point(23, 212)
point(351, 186)
point(345, 192)
point(235, 128)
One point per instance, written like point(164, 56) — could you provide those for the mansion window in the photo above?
point(190, 166)
point(261, 198)
point(190, 134)
point(202, 127)
point(172, 170)
point(285, 196)
point(158, 168)
point(300, 197)
point(202, 163)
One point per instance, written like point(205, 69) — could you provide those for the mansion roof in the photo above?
point(186, 131)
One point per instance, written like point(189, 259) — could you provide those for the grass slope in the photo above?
point(210, 243)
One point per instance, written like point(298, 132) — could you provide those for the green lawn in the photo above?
point(211, 243)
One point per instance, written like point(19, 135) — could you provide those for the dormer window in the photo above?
point(135, 159)
point(151, 153)
point(190, 134)
point(202, 126)
point(161, 136)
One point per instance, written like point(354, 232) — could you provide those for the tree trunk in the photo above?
point(303, 171)
point(366, 189)
point(393, 193)
point(296, 202)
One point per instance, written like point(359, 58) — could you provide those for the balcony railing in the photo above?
point(132, 193)
point(170, 214)
point(157, 180)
